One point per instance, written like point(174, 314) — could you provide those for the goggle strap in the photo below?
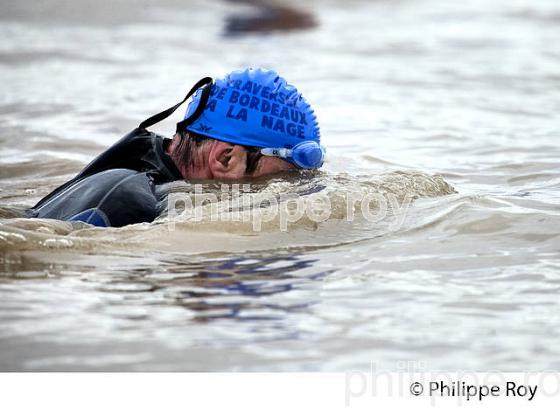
point(205, 82)
point(277, 152)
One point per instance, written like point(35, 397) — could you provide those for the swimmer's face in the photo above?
point(258, 165)
point(235, 162)
point(270, 166)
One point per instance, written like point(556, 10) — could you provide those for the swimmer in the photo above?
point(249, 124)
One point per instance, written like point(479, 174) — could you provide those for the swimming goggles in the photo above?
point(306, 154)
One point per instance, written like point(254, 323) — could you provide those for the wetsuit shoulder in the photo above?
point(140, 150)
point(115, 197)
point(125, 153)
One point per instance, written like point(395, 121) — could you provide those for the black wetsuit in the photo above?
point(119, 187)
point(122, 186)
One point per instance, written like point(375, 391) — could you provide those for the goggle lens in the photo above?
point(306, 154)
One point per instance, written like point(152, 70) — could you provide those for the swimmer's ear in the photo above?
point(227, 161)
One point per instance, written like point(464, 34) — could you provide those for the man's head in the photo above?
point(250, 123)
point(200, 157)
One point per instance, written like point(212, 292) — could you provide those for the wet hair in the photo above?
point(190, 142)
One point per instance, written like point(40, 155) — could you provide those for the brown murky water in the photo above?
point(452, 106)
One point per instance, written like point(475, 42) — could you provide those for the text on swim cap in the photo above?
point(276, 110)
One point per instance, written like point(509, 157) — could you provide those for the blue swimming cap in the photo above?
point(255, 107)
